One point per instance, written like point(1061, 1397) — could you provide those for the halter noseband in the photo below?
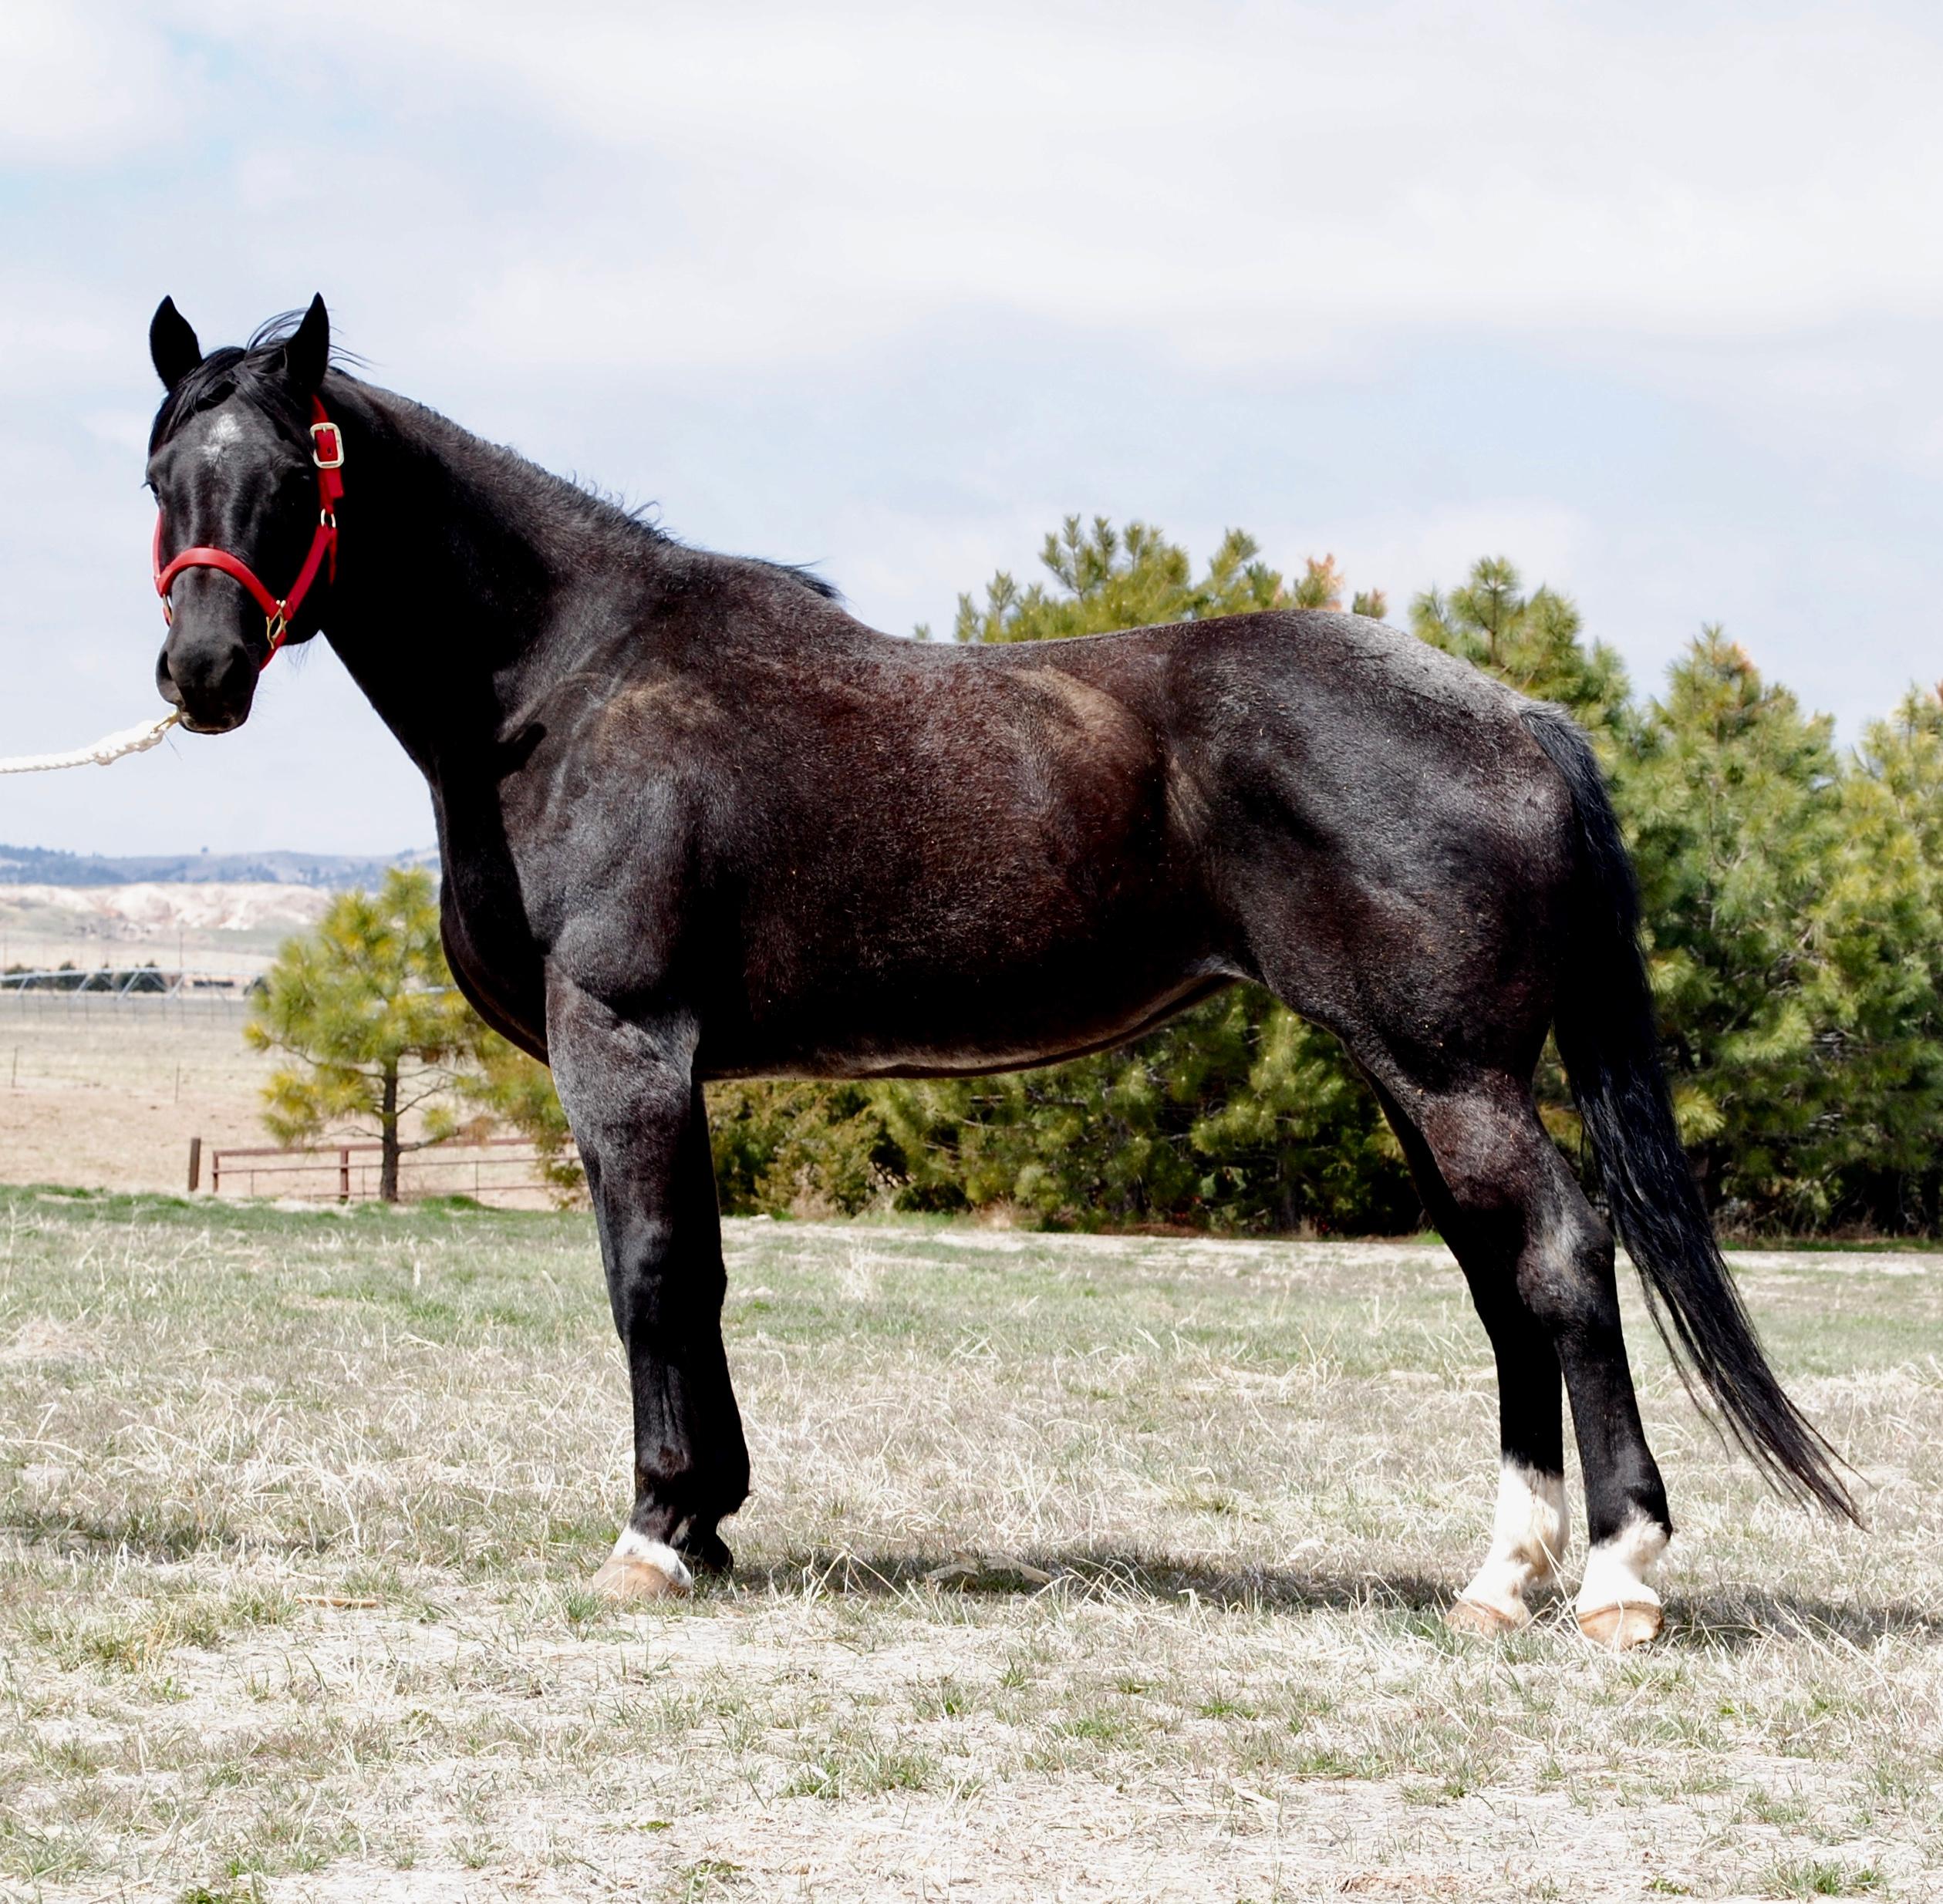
point(327, 452)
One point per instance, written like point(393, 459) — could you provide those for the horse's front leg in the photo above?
point(630, 1093)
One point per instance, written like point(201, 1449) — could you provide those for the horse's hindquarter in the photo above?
point(1390, 840)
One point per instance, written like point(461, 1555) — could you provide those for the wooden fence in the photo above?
point(503, 1170)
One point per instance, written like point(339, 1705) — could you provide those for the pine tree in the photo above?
point(1736, 806)
point(1321, 585)
point(1793, 899)
point(1535, 643)
point(1105, 578)
point(509, 1088)
point(365, 1007)
point(1880, 919)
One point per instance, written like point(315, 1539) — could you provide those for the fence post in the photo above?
point(344, 1175)
point(195, 1162)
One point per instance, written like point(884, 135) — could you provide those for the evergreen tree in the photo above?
point(1793, 900)
point(1105, 578)
point(1238, 1114)
point(1321, 585)
point(1880, 917)
point(507, 1087)
point(1734, 800)
point(784, 1145)
point(366, 1010)
point(1535, 643)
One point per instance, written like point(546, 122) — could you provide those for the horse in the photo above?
point(698, 822)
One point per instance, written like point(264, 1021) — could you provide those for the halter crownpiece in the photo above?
point(327, 452)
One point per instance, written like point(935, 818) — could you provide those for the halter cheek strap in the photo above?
point(327, 452)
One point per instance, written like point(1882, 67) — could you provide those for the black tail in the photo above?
point(1611, 1046)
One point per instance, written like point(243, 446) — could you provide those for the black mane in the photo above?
point(252, 370)
point(797, 572)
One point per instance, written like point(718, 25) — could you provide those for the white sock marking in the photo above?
point(653, 1553)
point(1528, 1537)
point(1618, 1571)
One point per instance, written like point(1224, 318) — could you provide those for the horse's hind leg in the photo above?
point(638, 1115)
point(1530, 1529)
point(1540, 1264)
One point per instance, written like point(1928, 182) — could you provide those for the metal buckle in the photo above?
point(317, 455)
point(274, 629)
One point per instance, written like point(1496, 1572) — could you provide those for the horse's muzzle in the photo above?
point(213, 691)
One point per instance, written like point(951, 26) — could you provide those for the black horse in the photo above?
point(698, 822)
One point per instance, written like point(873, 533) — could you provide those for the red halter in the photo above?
point(327, 452)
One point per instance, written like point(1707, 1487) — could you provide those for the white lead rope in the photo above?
point(98, 753)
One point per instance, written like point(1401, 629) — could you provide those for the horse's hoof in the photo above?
point(639, 1569)
point(707, 1553)
point(1489, 1623)
point(624, 1581)
point(1621, 1628)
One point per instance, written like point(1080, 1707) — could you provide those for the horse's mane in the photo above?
point(251, 370)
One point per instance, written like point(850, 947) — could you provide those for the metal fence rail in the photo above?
point(131, 982)
point(350, 1173)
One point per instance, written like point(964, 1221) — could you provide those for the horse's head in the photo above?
point(231, 462)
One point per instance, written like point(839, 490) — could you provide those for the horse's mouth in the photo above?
point(213, 723)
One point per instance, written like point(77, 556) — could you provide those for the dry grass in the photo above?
point(106, 1092)
point(296, 1514)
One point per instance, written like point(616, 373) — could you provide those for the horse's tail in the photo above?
point(1607, 1038)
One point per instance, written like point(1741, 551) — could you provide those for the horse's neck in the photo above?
point(451, 558)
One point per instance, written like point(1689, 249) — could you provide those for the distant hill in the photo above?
point(35, 866)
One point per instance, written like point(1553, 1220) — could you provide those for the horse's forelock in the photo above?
point(252, 368)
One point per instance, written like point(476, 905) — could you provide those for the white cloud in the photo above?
point(628, 236)
point(1243, 182)
point(88, 85)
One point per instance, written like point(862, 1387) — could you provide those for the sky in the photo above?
point(1647, 298)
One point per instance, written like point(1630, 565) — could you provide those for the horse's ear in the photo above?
point(172, 345)
point(307, 355)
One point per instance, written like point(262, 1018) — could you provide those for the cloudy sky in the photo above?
point(1647, 298)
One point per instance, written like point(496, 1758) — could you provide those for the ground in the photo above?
point(106, 1092)
point(1077, 1568)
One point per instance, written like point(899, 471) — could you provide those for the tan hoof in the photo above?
point(1490, 1622)
point(624, 1580)
point(1622, 1628)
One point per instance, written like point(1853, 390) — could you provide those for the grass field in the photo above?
point(106, 1092)
point(1077, 1568)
